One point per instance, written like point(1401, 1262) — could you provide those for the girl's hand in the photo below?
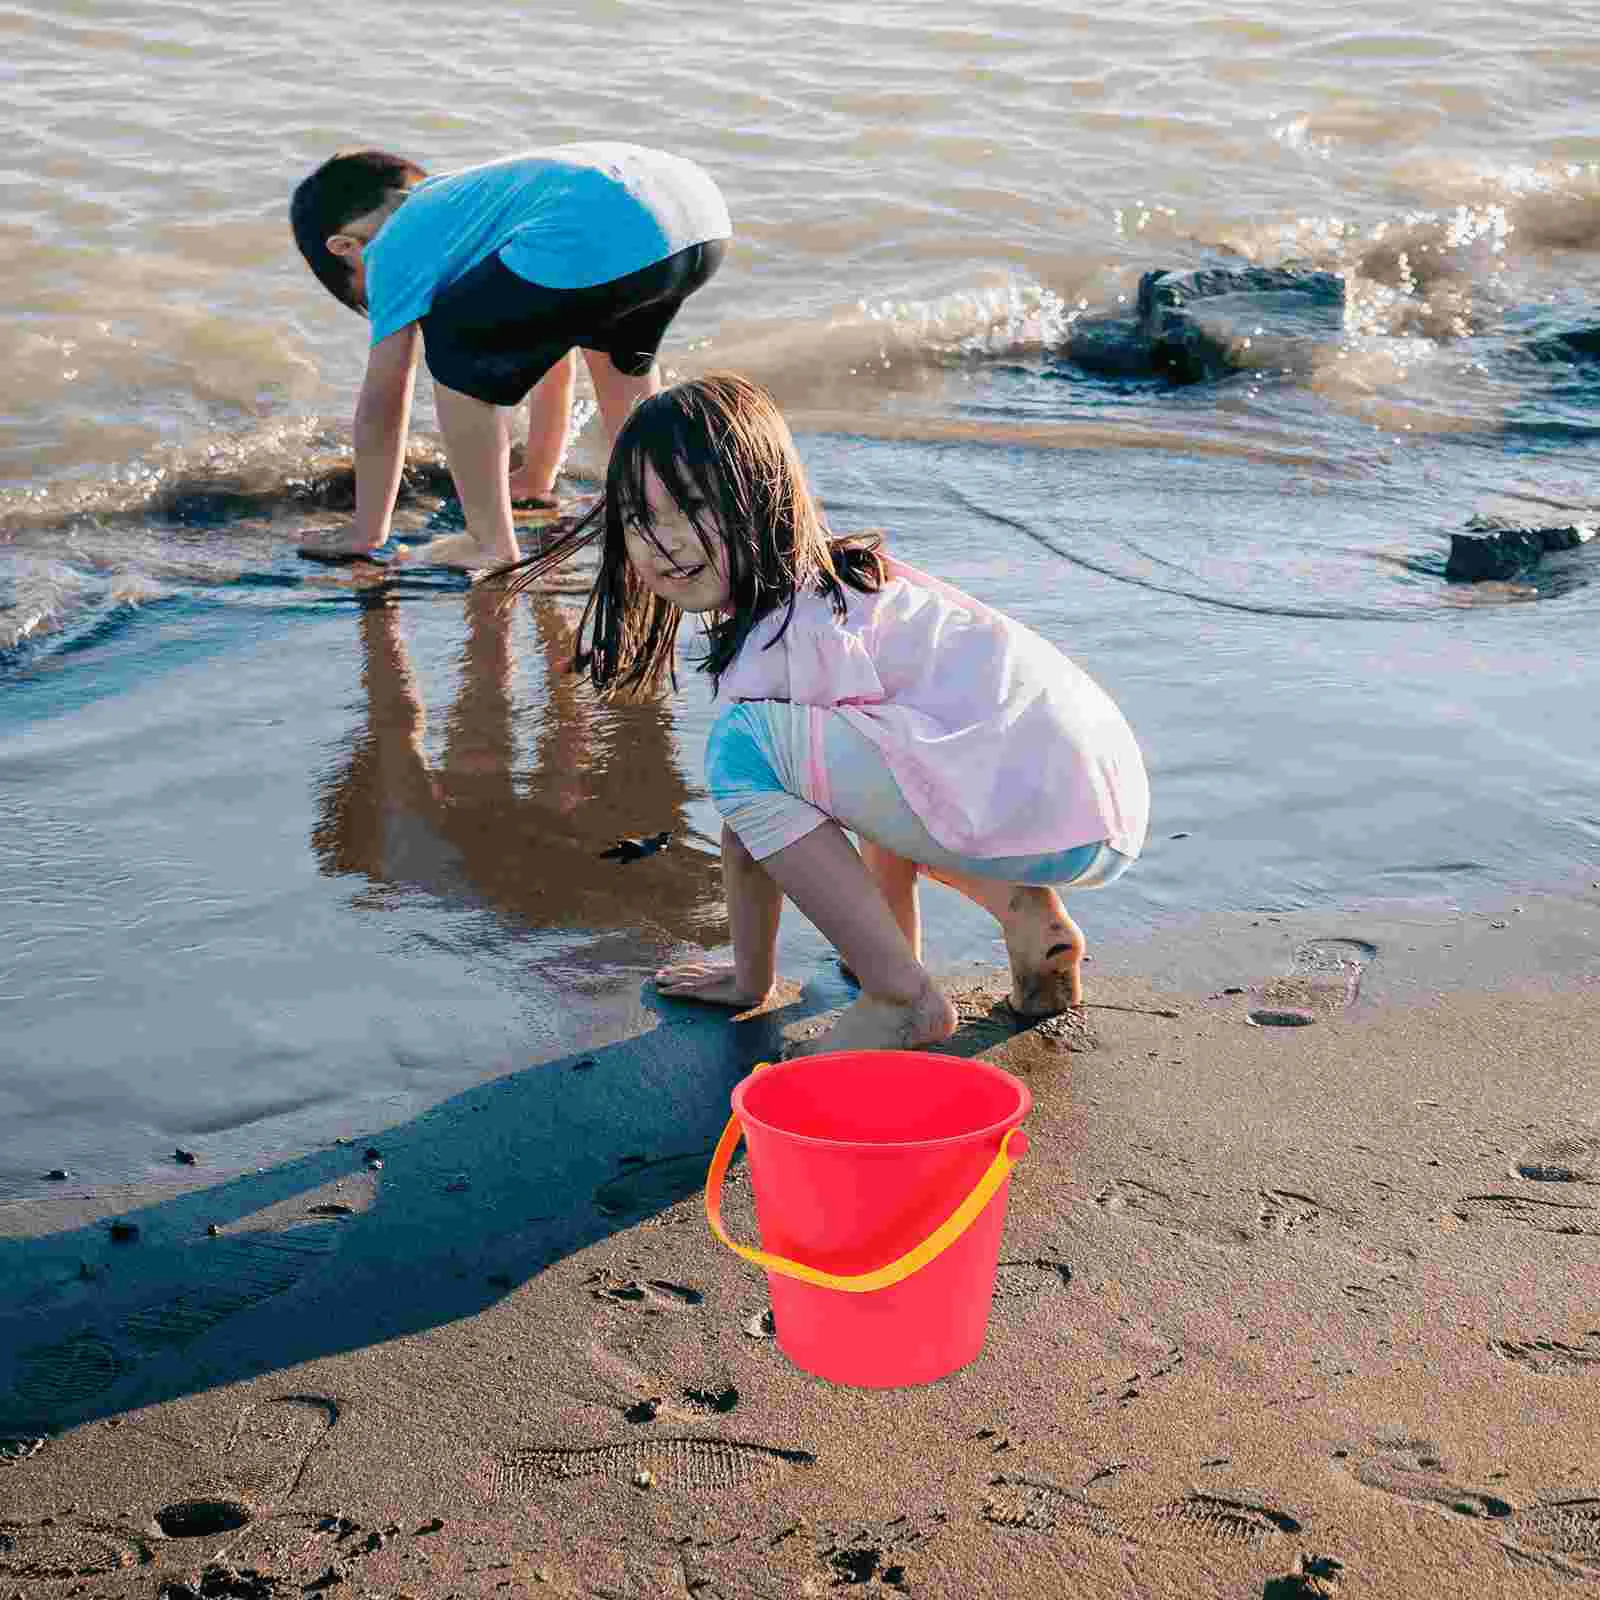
point(713, 983)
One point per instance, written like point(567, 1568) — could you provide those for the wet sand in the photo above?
point(1282, 1311)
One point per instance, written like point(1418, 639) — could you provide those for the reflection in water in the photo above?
point(472, 829)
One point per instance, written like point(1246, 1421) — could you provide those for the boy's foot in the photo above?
point(1046, 949)
point(345, 555)
point(527, 494)
point(873, 1024)
point(461, 553)
point(713, 983)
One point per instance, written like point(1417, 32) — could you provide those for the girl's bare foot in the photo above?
point(876, 1024)
point(713, 983)
point(1046, 949)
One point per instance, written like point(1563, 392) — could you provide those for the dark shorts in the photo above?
point(493, 335)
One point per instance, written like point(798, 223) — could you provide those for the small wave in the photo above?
point(262, 475)
point(1340, 613)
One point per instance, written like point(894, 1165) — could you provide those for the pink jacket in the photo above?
point(999, 743)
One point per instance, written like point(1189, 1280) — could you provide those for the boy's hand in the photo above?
point(383, 414)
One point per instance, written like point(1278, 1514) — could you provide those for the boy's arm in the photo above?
point(383, 413)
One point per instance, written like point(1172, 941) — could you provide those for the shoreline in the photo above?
point(1300, 1307)
point(1502, 938)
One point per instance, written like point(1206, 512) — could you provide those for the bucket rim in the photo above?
point(1011, 1120)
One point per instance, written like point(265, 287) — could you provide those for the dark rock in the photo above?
point(1190, 327)
point(636, 849)
point(184, 1158)
point(1578, 344)
point(124, 1232)
point(1489, 549)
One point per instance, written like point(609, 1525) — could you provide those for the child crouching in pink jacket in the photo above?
point(860, 695)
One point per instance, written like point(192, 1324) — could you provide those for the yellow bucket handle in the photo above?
point(919, 1256)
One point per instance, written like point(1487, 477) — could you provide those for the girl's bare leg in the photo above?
point(896, 879)
point(755, 902)
point(900, 1007)
point(549, 424)
point(1045, 945)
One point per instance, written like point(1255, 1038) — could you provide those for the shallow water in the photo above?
point(283, 858)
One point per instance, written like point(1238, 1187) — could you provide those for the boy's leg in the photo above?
point(1044, 944)
point(549, 424)
point(755, 903)
point(616, 392)
point(479, 451)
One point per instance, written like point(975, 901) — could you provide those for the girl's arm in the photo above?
point(383, 414)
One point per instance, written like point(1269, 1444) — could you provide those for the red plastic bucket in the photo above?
point(880, 1181)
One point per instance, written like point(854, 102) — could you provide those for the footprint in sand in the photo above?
point(874, 1552)
point(1566, 1158)
point(1143, 1202)
point(52, 1381)
point(642, 1398)
point(265, 1455)
point(1562, 1533)
point(1324, 977)
point(1284, 1212)
point(1564, 1528)
point(651, 1293)
point(695, 1465)
point(1194, 1522)
point(651, 1186)
point(203, 1518)
point(272, 1441)
point(67, 1550)
point(1547, 1216)
point(1410, 1470)
point(1015, 1280)
point(235, 1272)
point(1549, 1358)
point(291, 1553)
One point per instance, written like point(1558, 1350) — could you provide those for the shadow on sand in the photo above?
point(434, 1219)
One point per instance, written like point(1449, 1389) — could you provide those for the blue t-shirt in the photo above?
point(565, 218)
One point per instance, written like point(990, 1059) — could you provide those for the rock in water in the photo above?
point(1492, 549)
point(1208, 322)
point(636, 849)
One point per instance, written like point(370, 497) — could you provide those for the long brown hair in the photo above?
point(721, 450)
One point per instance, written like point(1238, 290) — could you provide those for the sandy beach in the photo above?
point(1281, 1311)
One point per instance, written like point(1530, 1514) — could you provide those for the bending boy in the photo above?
point(497, 274)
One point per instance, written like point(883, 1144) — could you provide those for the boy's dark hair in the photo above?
point(720, 448)
point(347, 185)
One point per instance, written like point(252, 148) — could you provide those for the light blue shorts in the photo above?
point(757, 759)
